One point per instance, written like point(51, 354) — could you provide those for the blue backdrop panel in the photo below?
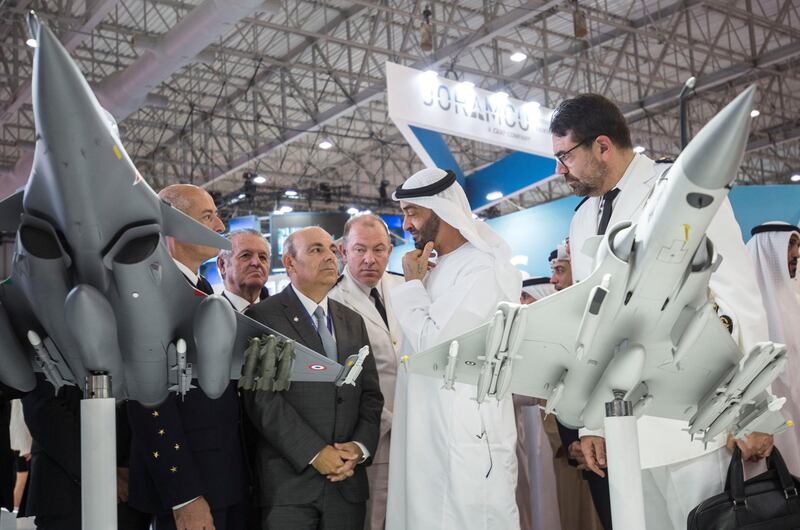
point(509, 174)
point(439, 151)
point(754, 205)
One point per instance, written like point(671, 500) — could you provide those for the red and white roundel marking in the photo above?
point(317, 367)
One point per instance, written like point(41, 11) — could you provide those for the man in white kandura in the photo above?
point(364, 287)
point(775, 247)
point(452, 463)
point(593, 146)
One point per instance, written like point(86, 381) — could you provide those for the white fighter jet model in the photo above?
point(641, 323)
point(93, 288)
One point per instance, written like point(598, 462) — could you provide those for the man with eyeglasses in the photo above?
point(592, 144)
point(364, 287)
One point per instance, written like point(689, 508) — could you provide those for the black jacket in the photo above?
point(296, 424)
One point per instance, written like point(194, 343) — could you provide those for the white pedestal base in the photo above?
point(625, 473)
point(98, 464)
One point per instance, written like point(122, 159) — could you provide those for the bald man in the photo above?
point(187, 464)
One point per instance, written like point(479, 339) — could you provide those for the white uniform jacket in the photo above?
point(385, 343)
point(733, 286)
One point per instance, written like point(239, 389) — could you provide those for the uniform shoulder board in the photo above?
point(394, 273)
point(665, 160)
point(581, 203)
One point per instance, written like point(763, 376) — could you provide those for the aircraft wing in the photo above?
point(308, 365)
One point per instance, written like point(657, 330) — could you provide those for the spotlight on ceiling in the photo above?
point(290, 193)
point(32, 42)
point(259, 179)
point(754, 113)
point(352, 210)
point(639, 149)
point(518, 57)
point(494, 195)
point(795, 177)
point(241, 196)
point(325, 144)
point(286, 209)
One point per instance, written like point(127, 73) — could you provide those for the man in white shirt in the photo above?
point(364, 287)
point(453, 462)
point(775, 248)
point(244, 268)
point(592, 144)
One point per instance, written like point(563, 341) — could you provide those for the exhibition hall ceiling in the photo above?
point(261, 93)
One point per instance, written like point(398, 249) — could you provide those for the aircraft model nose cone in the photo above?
point(712, 158)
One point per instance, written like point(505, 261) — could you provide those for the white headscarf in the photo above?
point(770, 251)
point(538, 287)
point(452, 207)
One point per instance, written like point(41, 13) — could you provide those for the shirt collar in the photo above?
point(239, 303)
point(189, 273)
point(364, 289)
point(632, 167)
point(309, 304)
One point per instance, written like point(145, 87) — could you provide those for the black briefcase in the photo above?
point(768, 501)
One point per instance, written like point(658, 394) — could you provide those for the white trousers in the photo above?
point(672, 491)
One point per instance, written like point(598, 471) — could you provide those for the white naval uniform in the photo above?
point(669, 480)
point(453, 463)
point(386, 349)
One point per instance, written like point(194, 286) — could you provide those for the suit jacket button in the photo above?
point(339, 400)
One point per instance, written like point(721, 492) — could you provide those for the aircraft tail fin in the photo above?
point(177, 224)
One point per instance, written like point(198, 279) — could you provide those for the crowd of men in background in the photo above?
point(395, 451)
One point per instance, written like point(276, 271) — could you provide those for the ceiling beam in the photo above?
point(517, 16)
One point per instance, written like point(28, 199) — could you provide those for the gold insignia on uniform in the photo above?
point(161, 432)
point(174, 469)
point(177, 446)
point(155, 414)
point(727, 322)
point(155, 454)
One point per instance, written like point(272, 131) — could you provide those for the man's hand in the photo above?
point(575, 453)
point(594, 453)
point(122, 484)
point(417, 262)
point(756, 446)
point(352, 455)
point(194, 516)
point(328, 460)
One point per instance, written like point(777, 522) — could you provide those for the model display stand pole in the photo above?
point(625, 470)
point(98, 455)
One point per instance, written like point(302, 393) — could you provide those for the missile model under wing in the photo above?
point(642, 322)
point(93, 287)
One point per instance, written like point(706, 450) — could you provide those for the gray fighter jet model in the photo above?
point(93, 288)
point(641, 323)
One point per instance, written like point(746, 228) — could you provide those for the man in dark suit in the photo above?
point(316, 438)
point(187, 464)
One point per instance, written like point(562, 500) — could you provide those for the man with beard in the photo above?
point(592, 144)
point(452, 462)
point(774, 248)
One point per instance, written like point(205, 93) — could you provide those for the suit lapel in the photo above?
point(637, 190)
point(297, 315)
point(341, 328)
point(362, 304)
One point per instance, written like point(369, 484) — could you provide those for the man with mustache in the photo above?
point(316, 438)
point(364, 287)
point(453, 462)
point(594, 150)
point(774, 248)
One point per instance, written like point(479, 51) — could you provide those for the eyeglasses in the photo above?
point(562, 157)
